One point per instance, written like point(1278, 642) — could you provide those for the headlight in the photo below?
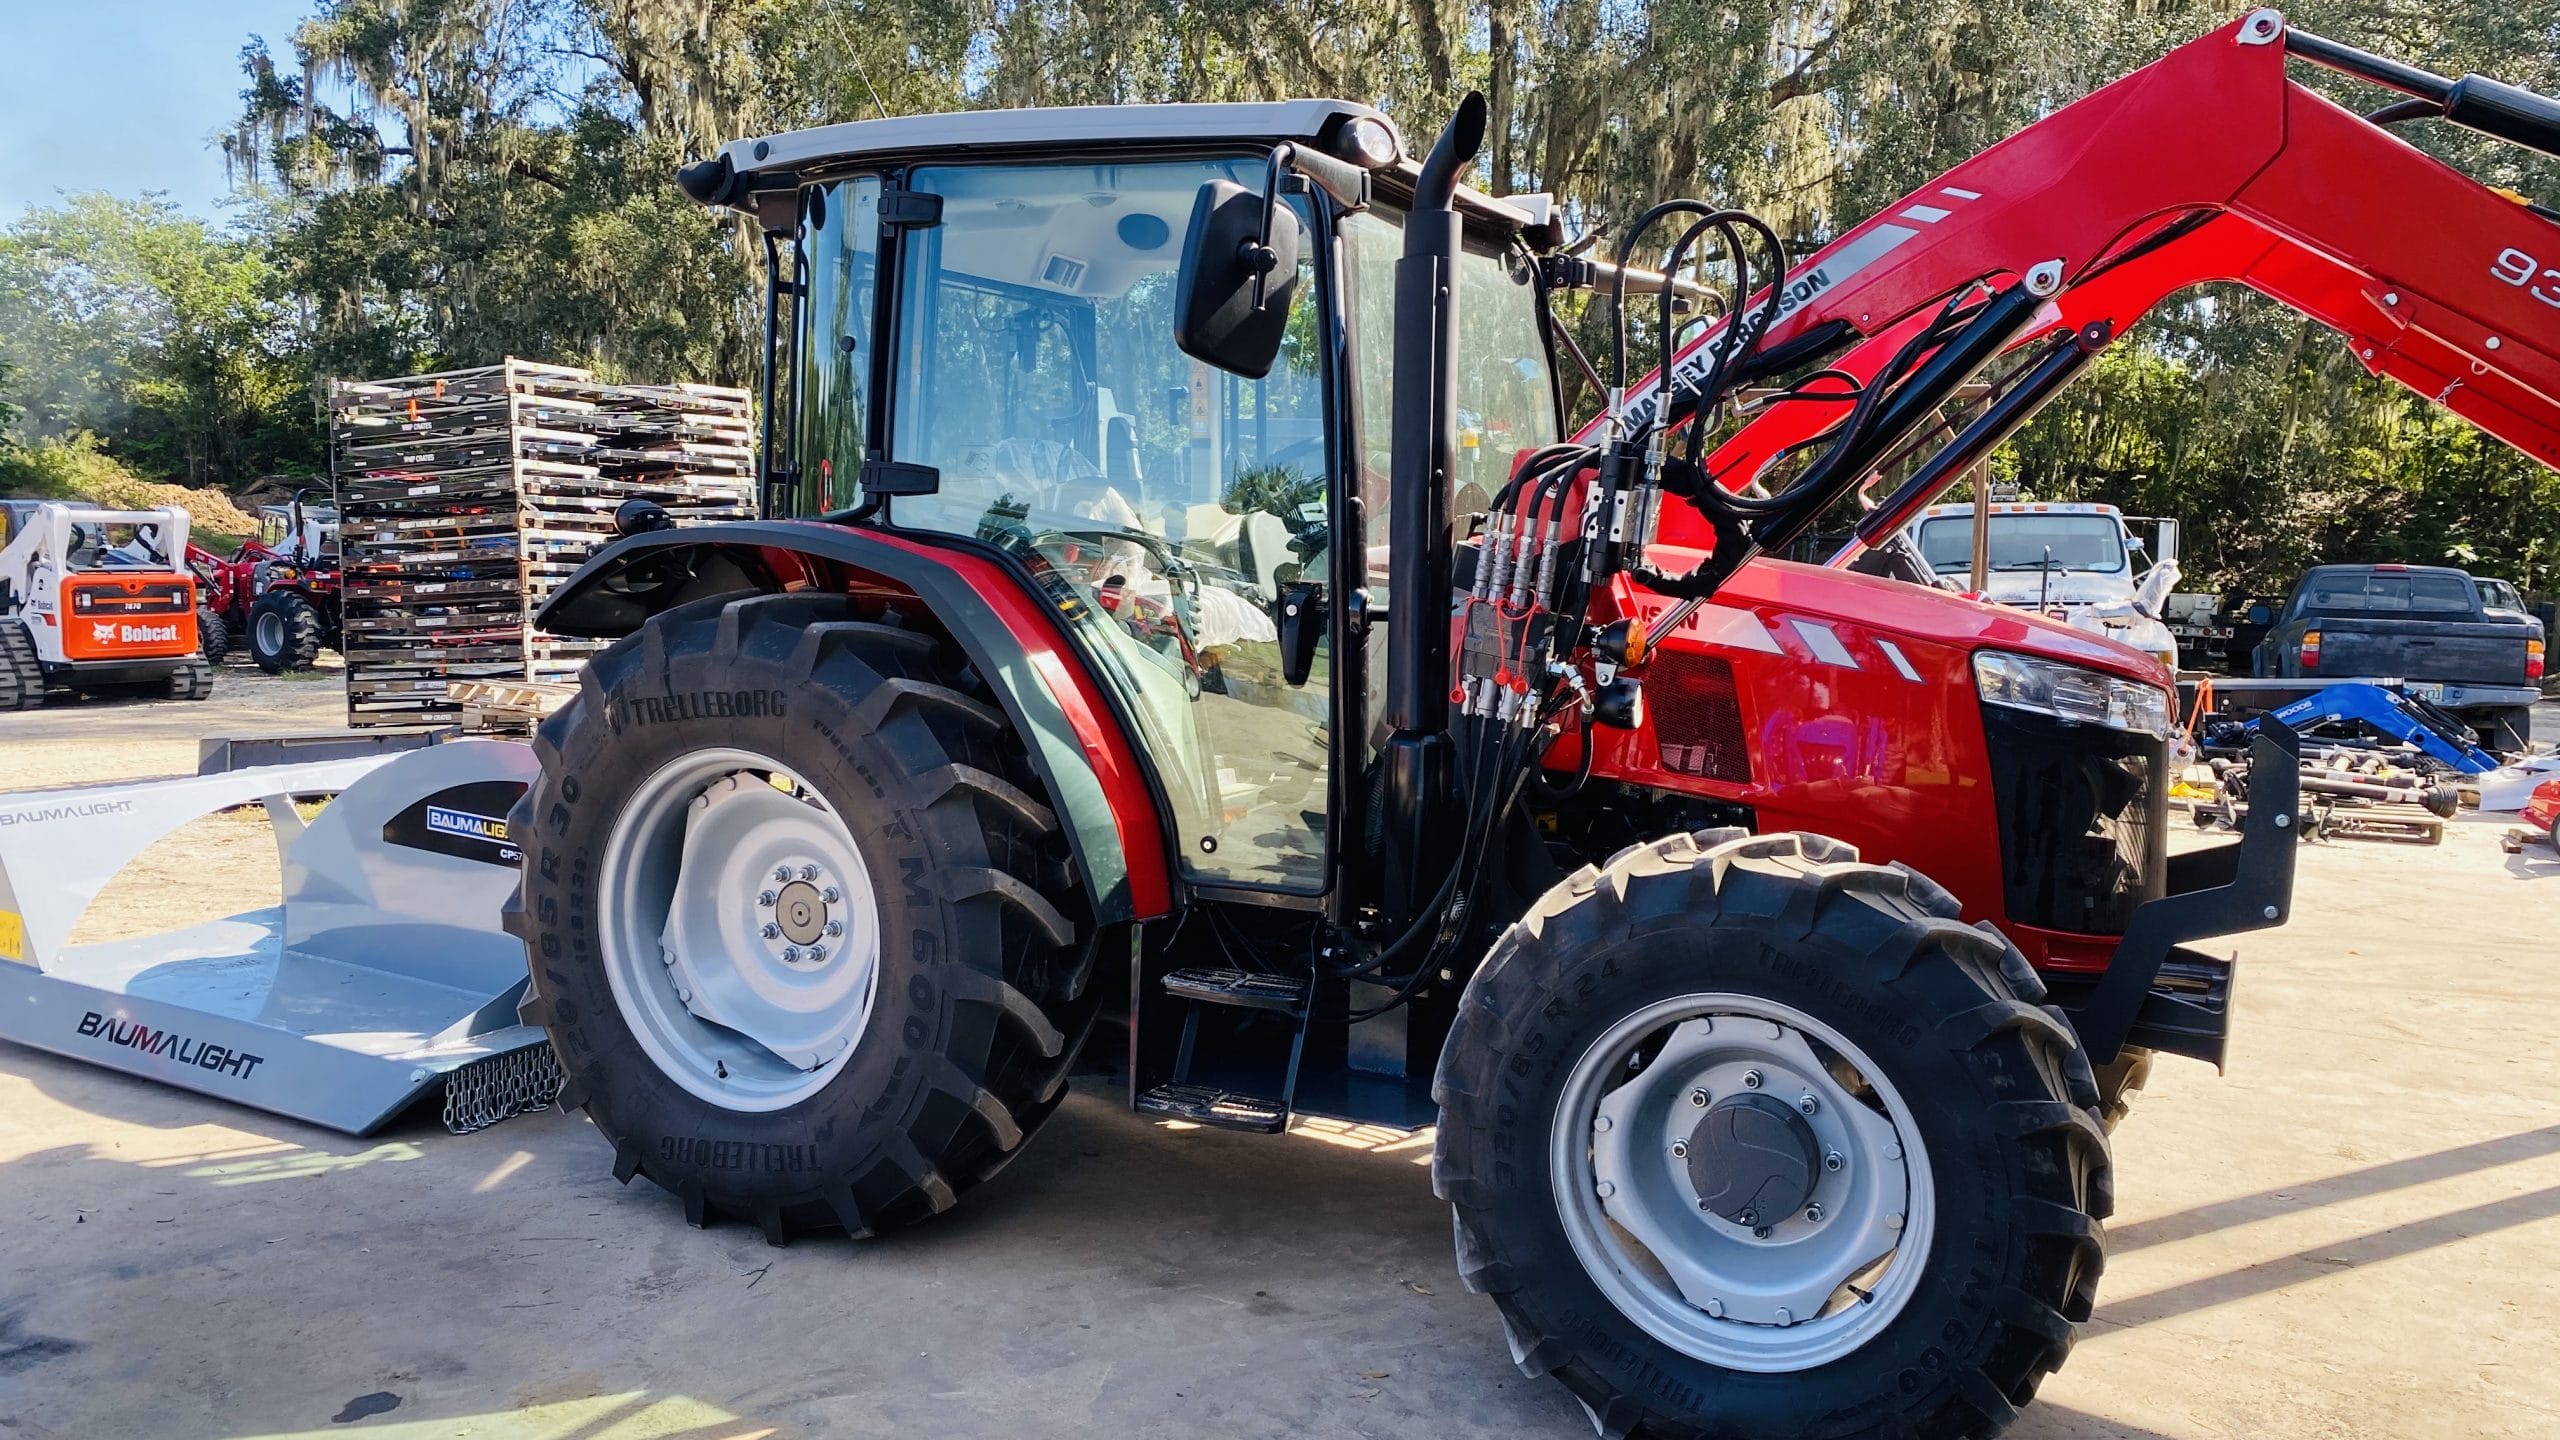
point(2068, 692)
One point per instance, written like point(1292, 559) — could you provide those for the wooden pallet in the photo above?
point(508, 706)
point(467, 497)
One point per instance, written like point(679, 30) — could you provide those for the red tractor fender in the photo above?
point(1105, 800)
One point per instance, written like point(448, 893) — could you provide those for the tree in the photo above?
point(172, 340)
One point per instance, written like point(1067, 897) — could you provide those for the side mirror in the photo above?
point(1302, 624)
point(1239, 273)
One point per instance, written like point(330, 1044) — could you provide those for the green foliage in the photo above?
point(170, 339)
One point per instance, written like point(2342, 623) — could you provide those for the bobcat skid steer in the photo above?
point(96, 601)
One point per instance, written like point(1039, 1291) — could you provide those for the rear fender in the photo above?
point(1076, 742)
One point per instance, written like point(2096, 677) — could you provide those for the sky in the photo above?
point(125, 95)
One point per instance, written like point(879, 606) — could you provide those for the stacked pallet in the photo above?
point(465, 498)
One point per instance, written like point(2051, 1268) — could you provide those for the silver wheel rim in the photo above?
point(740, 931)
point(1795, 1291)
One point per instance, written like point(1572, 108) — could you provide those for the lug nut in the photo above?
point(772, 931)
point(817, 953)
point(808, 872)
point(1759, 1232)
point(835, 928)
point(1750, 1079)
point(790, 954)
point(1749, 1217)
point(829, 895)
point(1698, 1098)
point(1606, 1189)
point(766, 899)
point(1813, 1213)
point(1602, 1124)
point(1679, 1149)
point(781, 873)
point(1832, 1162)
point(1809, 1105)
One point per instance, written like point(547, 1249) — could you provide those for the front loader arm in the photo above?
point(2209, 165)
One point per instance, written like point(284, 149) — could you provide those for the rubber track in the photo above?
point(1797, 881)
point(21, 676)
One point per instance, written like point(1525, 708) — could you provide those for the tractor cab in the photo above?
point(305, 533)
point(979, 336)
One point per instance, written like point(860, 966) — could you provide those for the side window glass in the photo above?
point(1164, 504)
point(839, 249)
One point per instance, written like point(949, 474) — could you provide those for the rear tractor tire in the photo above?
point(1744, 1137)
point(801, 930)
point(21, 674)
point(284, 632)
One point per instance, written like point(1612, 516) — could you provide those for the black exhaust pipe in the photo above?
point(1424, 440)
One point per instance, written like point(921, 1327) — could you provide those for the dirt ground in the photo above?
point(2351, 1234)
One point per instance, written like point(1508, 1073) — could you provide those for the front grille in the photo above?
point(2083, 811)
point(1697, 717)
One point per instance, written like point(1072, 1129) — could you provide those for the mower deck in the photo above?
point(382, 974)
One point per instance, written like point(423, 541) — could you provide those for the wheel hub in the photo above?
point(1741, 1182)
point(1753, 1159)
point(801, 913)
point(745, 937)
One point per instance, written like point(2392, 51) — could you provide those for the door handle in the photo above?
point(1302, 624)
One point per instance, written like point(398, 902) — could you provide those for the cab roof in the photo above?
point(848, 143)
point(776, 165)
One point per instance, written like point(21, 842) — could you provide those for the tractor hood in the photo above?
point(1917, 612)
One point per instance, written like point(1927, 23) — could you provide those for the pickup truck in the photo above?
point(2074, 561)
point(2463, 642)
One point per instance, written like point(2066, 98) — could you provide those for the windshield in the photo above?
point(2089, 543)
point(1505, 385)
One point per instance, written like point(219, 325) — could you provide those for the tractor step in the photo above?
point(1208, 1105)
point(1239, 988)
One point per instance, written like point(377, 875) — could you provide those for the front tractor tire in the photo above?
point(1744, 1137)
point(801, 930)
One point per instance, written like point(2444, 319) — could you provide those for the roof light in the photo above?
point(1368, 142)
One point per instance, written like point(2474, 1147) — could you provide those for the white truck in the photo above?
point(2077, 562)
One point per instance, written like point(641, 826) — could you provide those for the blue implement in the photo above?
point(2394, 717)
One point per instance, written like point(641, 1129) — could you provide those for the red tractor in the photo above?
point(1768, 942)
point(281, 591)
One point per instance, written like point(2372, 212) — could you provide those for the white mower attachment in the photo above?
point(382, 973)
